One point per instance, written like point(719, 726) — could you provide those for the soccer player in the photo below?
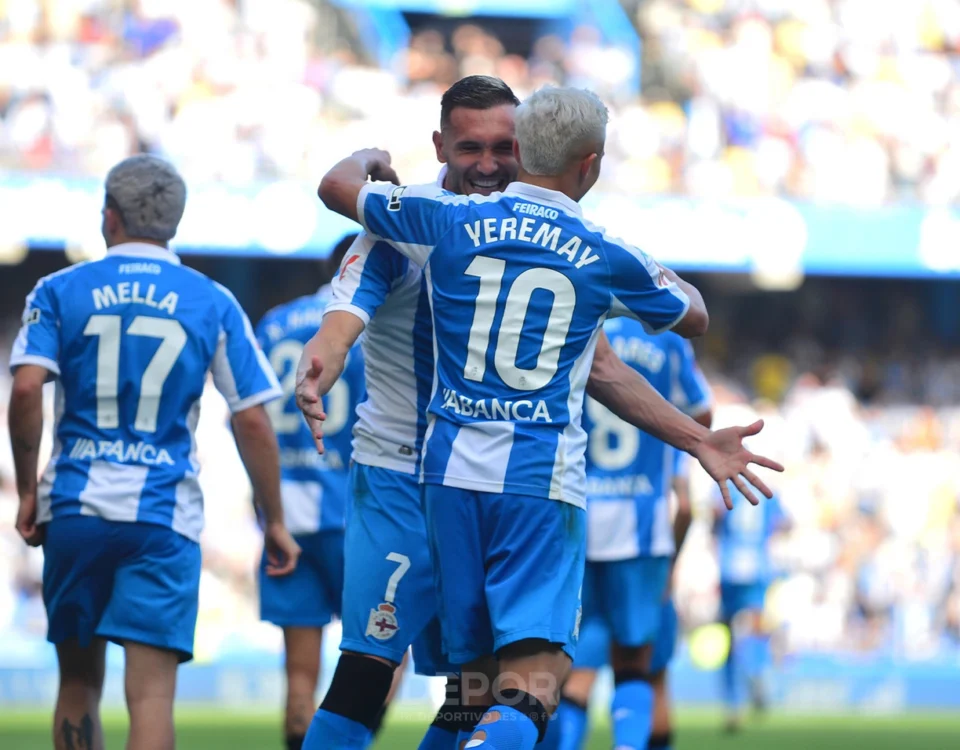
point(314, 493)
point(630, 540)
point(129, 340)
point(568, 729)
point(743, 540)
point(389, 599)
point(475, 144)
point(519, 284)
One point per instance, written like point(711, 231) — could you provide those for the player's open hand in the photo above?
point(27, 521)
point(308, 399)
point(378, 165)
point(283, 552)
point(724, 457)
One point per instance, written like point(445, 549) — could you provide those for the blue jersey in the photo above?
point(519, 285)
point(130, 339)
point(313, 487)
point(743, 538)
point(387, 292)
point(629, 472)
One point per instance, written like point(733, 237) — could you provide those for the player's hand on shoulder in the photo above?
point(283, 552)
point(378, 164)
point(724, 457)
point(27, 526)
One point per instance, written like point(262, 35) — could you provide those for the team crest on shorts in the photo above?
point(382, 624)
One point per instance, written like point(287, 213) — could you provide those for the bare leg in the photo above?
point(150, 683)
point(76, 719)
point(303, 672)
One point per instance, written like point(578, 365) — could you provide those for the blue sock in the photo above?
point(632, 711)
point(329, 731)
point(503, 728)
point(438, 739)
point(571, 721)
point(732, 693)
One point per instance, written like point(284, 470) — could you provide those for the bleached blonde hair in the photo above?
point(555, 125)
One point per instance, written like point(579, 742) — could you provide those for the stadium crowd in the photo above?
point(848, 101)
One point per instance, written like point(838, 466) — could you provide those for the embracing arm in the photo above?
point(340, 187)
point(630, 396)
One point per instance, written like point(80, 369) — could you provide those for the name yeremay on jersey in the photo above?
point(388, 293)
point(130, 339)
point(519, 284)
point(629, 473)
point(313, 487)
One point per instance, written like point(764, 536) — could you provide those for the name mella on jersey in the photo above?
point(130, 291)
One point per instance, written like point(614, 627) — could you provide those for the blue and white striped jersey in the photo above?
point(313, 487)
point(130, 339)
point(519, 284)
point(743, 538)
point(388, 293)
point(629, 472)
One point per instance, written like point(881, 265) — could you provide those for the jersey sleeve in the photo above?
point(691, 392)
point(638, 289)
point(38, 342)
point(240, 370)
point(411, 218)
point(368, 273)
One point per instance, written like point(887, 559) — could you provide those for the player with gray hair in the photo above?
point(559, 127)
point(129, 340)
point(145, 199)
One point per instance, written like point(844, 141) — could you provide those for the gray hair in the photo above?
point(555, 125)
point(149, 195)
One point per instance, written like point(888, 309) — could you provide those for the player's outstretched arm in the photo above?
point(321, 364)
point(724, 457)
point(258, 447)
point(629, 395)
point(340, 187)
point(25, 420)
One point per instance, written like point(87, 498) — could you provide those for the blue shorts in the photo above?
point(593, 651)
point(310, 596)
point(120, 581)
point(390, 601)
point(626, 595)
point(666, 641)
point(737, 597)
point(508, 567)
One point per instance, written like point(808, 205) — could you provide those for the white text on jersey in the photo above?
point(494, 409)
point(127, 292)
point(627, 486)
point(127, 453)
point(638, 351)
point(492, 230)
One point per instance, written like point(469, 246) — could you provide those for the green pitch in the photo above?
point(212, 730)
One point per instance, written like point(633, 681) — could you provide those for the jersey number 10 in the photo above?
point(490, 271)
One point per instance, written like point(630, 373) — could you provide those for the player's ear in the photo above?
point(587, 165)
point(438, 145)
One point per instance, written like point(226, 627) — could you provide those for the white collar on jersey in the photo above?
point(442, 176)
point(145, 250)
point(544, 195)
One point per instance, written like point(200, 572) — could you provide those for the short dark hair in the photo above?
point(475, 92)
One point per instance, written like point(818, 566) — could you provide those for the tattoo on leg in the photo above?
point(79, 736)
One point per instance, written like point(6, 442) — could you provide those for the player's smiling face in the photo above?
point(477, 147)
